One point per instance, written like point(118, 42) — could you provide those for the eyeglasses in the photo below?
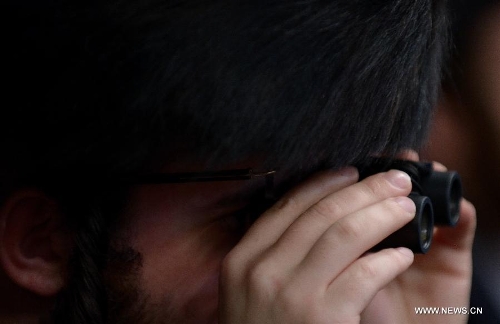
point(224, 175)
point(256, 206)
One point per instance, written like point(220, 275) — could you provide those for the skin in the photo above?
point(302, 261)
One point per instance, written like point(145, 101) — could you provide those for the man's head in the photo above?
point(99, 89)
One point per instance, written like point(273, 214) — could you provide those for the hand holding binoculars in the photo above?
point(436, 196)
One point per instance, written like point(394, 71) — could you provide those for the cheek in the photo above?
point(182, 269)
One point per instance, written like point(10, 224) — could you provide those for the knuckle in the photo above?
point(377, 184)
point(397, 258)
point(366, 270)
point(387, 184)
point(396, 208)
point(349, 229)
point(374, 186)
point(261, 277)
point(257, 273)
point(390, 206)
point(327, 209)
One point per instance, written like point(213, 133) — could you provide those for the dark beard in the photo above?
point(127, 302)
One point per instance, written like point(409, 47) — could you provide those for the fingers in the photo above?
point(296, 242)
point(304, 259)
point(271, 225)
point(286, 233)
point(322, 241)
point(273, 287)
point(439, 167)
point(347, 239)
point(461, 236)
point(409, 155)
point(364, 278)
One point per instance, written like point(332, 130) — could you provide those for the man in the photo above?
point(127, 194)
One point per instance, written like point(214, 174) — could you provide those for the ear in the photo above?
point(34, 243)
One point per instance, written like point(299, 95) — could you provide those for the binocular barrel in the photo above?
point(436, 196)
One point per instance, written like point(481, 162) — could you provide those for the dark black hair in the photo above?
point(113, 86)
point(105, 84)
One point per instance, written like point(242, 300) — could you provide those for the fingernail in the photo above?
point(406, 203)
point(405, 251)
point(398, 178)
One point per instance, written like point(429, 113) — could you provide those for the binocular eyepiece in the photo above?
point(436, 196)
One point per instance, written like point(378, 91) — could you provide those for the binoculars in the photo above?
point(436, 196)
